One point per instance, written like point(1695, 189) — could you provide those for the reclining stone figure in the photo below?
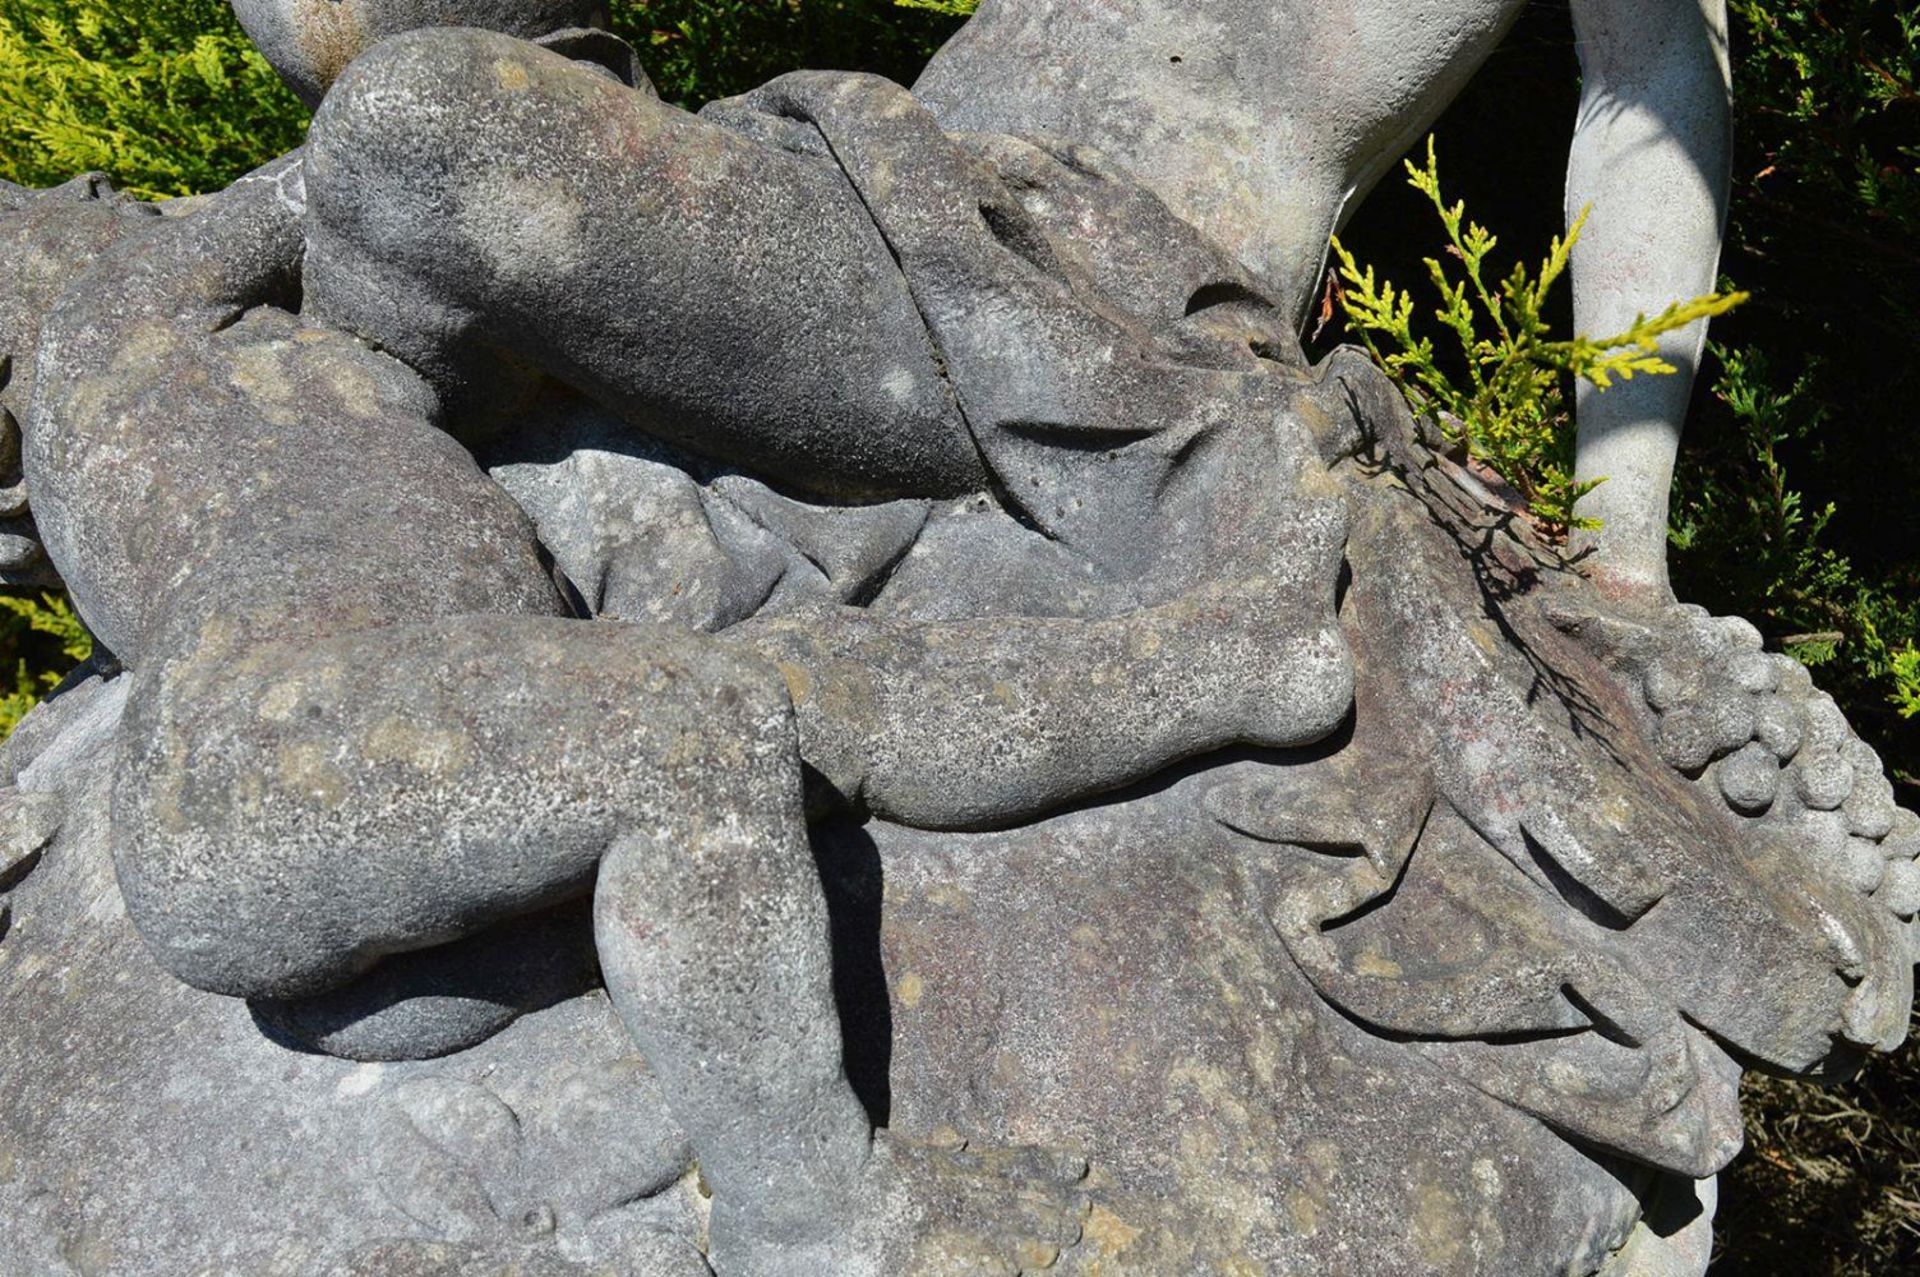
point(968, 483)
point(361, 723)
point(1264, 124)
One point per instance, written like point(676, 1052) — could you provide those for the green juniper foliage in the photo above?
point(698, 50)
point(165, 96)
point(43, 638)
point(1736, 507)
point(1511, 411)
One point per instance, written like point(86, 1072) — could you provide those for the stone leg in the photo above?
point(969, 724)
point(359, 728)
point(489, 211)
point(1652, 154)
point(734, 1006)
point(292, 812)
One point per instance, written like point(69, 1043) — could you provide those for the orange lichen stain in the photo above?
point(799, 682)
point(1086, 948)
point(1304, 1212)
point(946, 896)
point(436, 751)
point(1035, 1255)
point(1107, 1233)
point(306, 768)
point(510, 75)
point(1439, 1225)
point(1378, 966)
point(279, 702)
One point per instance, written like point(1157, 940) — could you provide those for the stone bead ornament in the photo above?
point(1798, 758)
point(821, 688)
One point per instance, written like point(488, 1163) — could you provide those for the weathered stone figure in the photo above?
point(276, 732)
point(866, 557)
point(1265, 123)
point(318, 683)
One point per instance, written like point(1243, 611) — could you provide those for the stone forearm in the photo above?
point(1650, 158)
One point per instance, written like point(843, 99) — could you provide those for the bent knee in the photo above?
point(1327, 685)
point(225, 912)
point(228, 898)
point(741, 702)
point(224, 934)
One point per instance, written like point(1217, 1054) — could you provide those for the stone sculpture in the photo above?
point(676, 662)
point(1264, 123)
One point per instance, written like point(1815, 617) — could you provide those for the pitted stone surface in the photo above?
point(795, 691)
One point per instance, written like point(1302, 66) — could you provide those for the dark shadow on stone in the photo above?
point(415, 1006)
point(1576, 894)
point(1224, 293)
point(561, 421)
point(1671, 1205)
point(16, 873)
point(102, 664)
point(854, 882)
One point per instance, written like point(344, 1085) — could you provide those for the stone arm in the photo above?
point(1650, 155)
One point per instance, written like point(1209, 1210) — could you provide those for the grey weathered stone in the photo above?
point(1823, 779)
point(1900, 888)
point(1750, 779)
point(310, 42)
point(676, 663)
point(1778, 725)
point(193, 1142)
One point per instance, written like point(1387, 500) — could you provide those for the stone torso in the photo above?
point(1256, 120)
